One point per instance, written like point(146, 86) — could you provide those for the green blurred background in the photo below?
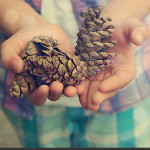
point(8, 138)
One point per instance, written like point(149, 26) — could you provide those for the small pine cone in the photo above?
point(44, 63)
point(94, 41)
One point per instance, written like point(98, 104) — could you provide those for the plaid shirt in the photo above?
point(137, 91)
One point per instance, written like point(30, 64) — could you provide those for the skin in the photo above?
point(129, 31)
point(93, 91)
point(20, 32)
point(106, 84)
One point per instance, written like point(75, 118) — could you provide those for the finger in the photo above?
point(80, 88)
point(117, 81)
point(136, 31)
point(139, 35)
point(39, 96)
point(83, 97)
point(12, 62)
point(10, 51)
point(70, 91)
point(94, 107)
point(55, 91)
point(99, 98)
point(93, 88)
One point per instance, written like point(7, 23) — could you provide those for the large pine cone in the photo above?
point(94, 41)
point(44, 62)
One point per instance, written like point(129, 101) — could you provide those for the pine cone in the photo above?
point(94, 41)
point(45, 62)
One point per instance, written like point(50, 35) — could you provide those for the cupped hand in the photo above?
point(12, 48)
point(123, 69)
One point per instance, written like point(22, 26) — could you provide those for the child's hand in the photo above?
point(106, 84)
point(12, 48)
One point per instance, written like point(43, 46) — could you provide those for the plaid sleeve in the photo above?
point(22, 106)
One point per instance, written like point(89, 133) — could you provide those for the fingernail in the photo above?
point(140, 38)
point(13, 65)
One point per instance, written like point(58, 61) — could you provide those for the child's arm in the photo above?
point(127, 8)
point(17, 14)
point(126, 16)
point(19, 21)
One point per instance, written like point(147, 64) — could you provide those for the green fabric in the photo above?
point(57, 126)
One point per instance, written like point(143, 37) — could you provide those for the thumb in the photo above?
point(10, 51)
point(136, 31)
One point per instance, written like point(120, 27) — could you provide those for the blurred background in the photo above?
point(8, 138)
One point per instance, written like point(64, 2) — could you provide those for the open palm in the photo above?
point(123, 69)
